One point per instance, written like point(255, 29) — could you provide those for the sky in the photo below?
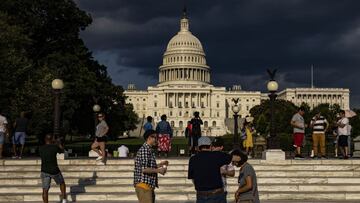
point(241, 39)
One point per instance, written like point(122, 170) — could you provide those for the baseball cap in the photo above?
point(204, 141)
point(218, 142)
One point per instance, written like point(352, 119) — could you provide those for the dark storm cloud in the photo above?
point(241, 38)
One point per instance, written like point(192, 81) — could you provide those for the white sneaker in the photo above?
point(100, 163)
point(99, 158)
point(64, 201)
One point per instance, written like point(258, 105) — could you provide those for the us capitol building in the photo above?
point(185, 87)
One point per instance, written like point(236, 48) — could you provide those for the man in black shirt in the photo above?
point(204, 170)
point(20, 126)
point(50, 169)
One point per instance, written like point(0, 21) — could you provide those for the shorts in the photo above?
point(298, 139)
point(19, 138)
point(343, 141)
point(46, 179)
point(2, 137)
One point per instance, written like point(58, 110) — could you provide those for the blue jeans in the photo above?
point(19, 138)
point(217, 198)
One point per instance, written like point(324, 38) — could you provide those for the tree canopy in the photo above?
point(39, 41)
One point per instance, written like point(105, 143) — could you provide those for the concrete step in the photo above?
point(182, 180)
point(177, 167)
point(179, 196)
point(86, 182)
point(174, 188)
point(182, 161)
point(180, 173)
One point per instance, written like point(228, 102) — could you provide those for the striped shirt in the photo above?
point(319, 124)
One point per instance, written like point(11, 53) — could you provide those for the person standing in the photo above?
point(148, 125)
point(189, 136)
point(3, 132)
point(319, 125)
point(247, 191)
point(100, 139)
point(204, 170)
point(225, 170)
point(146, 170)
point(196, 123)
point(50, 169)
point(298, 124)
point(20, 126)
point(343, 131)
point(165, 134)
point(248, 143)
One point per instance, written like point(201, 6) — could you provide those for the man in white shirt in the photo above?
point(343, 132)
point(123, 151)
point(226, 170)
point(3, 132)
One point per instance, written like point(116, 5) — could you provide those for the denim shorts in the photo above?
point(2, 137)
point(46, 179)
point(19, 138)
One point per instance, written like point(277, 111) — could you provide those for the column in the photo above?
point(190, 100)
point(184, 99)
point(166, 101)
point(207, 99)
point(176, 99)
point(198, 99)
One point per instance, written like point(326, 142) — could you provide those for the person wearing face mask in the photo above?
point(247, 191)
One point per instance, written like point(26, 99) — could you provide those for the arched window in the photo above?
point(172, 123)
point(206, 124)
point(181, 124)
point(214, 124)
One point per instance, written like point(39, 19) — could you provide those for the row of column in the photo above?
point(184, 74)
point(200, 100)
point(314, 100)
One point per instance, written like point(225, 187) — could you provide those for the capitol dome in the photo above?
point(184, 59)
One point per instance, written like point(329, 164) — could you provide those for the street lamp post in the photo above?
point(57, 86)
point(236, 109)
point(272, 87)
point(96, 109)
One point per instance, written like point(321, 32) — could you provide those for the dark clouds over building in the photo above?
point(241, 39)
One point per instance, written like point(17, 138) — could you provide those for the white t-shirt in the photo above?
point(229, 167)
point(123, 151)
point(3, 123)
point(344, 130)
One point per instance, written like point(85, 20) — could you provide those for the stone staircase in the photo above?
point(278, 180)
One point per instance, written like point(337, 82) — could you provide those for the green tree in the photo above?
point(355, 123)
point(283, 113)
point(40, 42)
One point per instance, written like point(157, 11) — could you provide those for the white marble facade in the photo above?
point(185, 87)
